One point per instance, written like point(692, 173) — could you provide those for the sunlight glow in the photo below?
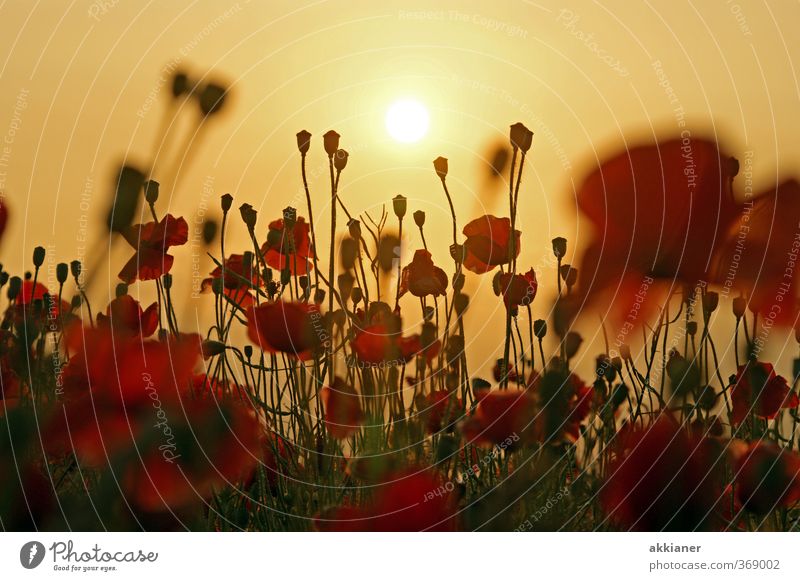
point(407, 120)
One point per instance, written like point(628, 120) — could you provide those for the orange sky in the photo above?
point(83, 88)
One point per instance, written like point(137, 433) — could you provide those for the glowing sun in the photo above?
point(407, 120)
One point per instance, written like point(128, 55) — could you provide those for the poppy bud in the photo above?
point(272, 288)
point(540, 328)
point(211, 99)
point(151, 191)
point(38, 256)
point(625, 351)
point(127, 189)
point(211, 348)
point(167, 280)
point(739, 306)
point(356, 295)
point(569, 274)
point(340, 159)
point(286, 276)
point(121, 290)
point(616, 363)
point(76, 301)
point(457, 252)
point(458, 281)
point(354, 226)
point(331, 142)
point(440, 165)
point(710, 302)
point(348, 252)
point(14, 286)
point(619, 395)
point(75, 269)
point(226, 202)
point(560, 247)
point(249, 216)
point(267, 274)
point(428, 313)
point(521, 137)
point(248, 351)
point(419, 218)
point(733, 166)
point(289, 217)
point(388, 252)
point(180, 84)
point(691, 328)
point(400, 205)
point(209, 231)
point(303, 282)
point(303, 141)
point(572, 342)
point(345, 283)
point(217, 285)
point(62, 272)
point(319, 296)
point(460, 303)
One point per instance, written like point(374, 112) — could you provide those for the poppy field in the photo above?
point(333, 391)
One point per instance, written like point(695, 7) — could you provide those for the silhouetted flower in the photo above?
point(517, 289)
point(521, 137)
point(440, 165)
point(125, 316)
point(152, 242)
point(767, 477)
point(343, 413)
point(761, 391)
point(331, 142)
point(291, 328)
point(422, 278)
point(303, 141)
point(487, 243)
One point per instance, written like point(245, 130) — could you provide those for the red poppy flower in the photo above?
point(767, 477)
point(343, 413)
point(439, 409)
point(152, 241)
point(205, 446)
point(52, 312)
point(517, 289)
point(663, 478)
point(408, 501)
point(289, 248)
point(422, 278)
point(411, 347)
point(235, 285)
point(758, 248)
point(659, 212)
point(292, 328)
point(375, 345)
point(501, 418)
point(30, 292)
point(760, 390)
point(125, 316)
point(487, 243)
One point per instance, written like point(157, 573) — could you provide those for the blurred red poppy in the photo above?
point(761, 391)
point(767, 477)
point(501, 418)
point(289, 248)
point(564, 402)
point(411, 347)
point(439, 409)
point(517, 289)
point(375, 345)
point(487, 243)
point(152, 241)
point(663, 478)
point(759, 250)
point(125, 316)
point(659, 212)
point(422, 278)
point(292, 328)
point(240, 277)
point(343, 413)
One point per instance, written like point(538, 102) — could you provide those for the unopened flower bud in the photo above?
point(572, 342)
point(75, 269)
point(348, 252)
point(248, 351)
point(691, 328)
point(217, 285)
point(211, 348)
point(303, 141)
point(167, 281)
point(540, 328)
point(625, 352)
point(569, 274)
point(739, 306)
point(345, 284)
point(521, 137)
point(121, 290)
point(356, 295)
point(76, 302)
point(62, 272)
point(319, 296)
point(710, 302)
point(419, 218)
point(226, 202)
point(38, 256)
point(354, 226)
point(180, 84)
point(211, 99)
point(151, 191)
point(14, 286)
point(460, 303)
point(249, 216)
point(560, 247)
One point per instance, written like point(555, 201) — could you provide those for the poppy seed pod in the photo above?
point(212, 348)
point(14, 286)
point(248, 351)
point(331, 142)
point(739, 305)
point(62, 272)
point(345, 283)
point(458, 281)
point(303, 141)
point(572, 342)
point(180, 84)
point(209, 231)
point(540, 328)
point(38, 256)
point(400, 205)
point(354, 226)
point(625, 352)
point(151, 191)
point(211, 99)
point(348, 252)
point(460, 303)
point(440, 165)
point(319, 296)
point(569, 274)
point(226, 202)
point(303, 282)
point(121, 290)
point(286, 276)
point(167, 281)
point(249, 216)
point(75, 269)
point(127, 189)
point(340, 159)
point(217, 285)
point(289, 217)
point(560, 247)
point(356, 295)
point(521, 137)
point(76, 302)
point(619, 395)
point(710, 302)
point(691, 328)
point(428, 313)
point(419, 218)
